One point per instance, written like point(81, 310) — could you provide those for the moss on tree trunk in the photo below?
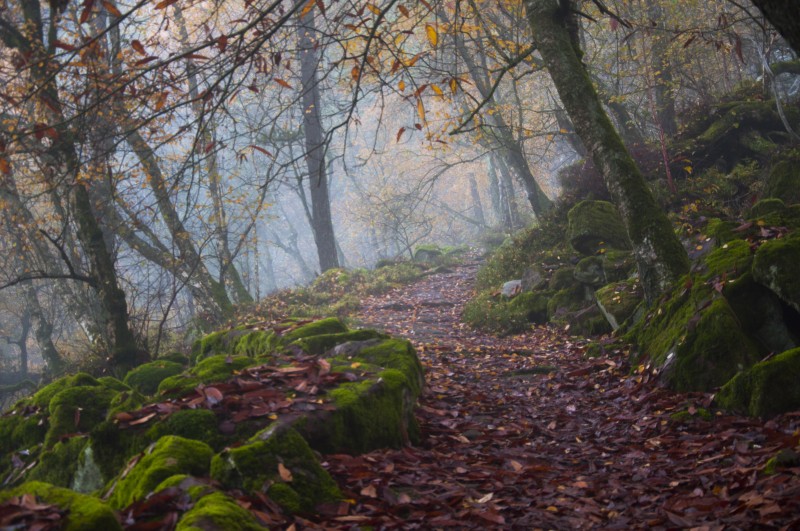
point(660, 257)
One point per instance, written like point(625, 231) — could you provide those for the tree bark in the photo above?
point(784, 15)
point(660, 257)
point(321, 221)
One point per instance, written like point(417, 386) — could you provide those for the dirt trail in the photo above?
point(525, 432)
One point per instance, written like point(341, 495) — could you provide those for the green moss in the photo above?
point(396, 354)
point(218, 512)
point(596, 225)
point(319, 344)
point(685, 416)
point(619, 301)
point(42, 397)
point(331, 325)
point(784, 182)
point(563, 278)
point(145, 378)
point(775, 266)
point(57, 466)
point(732, 259)
point(766, 207)
point(766, 389)
point(722, 231)
point(210, 370)
point(77, 409)
point(499, 315)
point(590, 271)
point(84, 513)
point(786, 458)
point(255, 465)
point(618, 265)
point(166, 457)
point(696, 337)
point(197, 424)
point(113, 383)
point(427, 253)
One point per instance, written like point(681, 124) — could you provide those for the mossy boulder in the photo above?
point(279, 461)
point(765, 207)
point(84, 513)
point(77, 409)
point(562, 278)
point(427, 253)
point(57, 465)
point(731, 260)
point(766, 389)
point(775, 266)
point(695, 337)
point(197, 424)
point(783, 182)
point(618, 302)
point(243, 342)
point(212, 369)
point(722, 231)
point(763, 316)
point(596, 225)
point(166, 457)
point(321, 343)
point(146, 378)
point(618, 265)
point(218, 512)
point(500, 315)
point(590, 271)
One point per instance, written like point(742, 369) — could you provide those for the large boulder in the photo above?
point(695, 338)
point(784, 182)
point(596, 225)
point(775, 266)
point(590, 271)
point(766, 389)
point(279, 461)
point(619, 301)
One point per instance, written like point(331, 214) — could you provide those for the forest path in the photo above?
point(524, 432)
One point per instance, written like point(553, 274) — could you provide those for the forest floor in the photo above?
point(525, 432)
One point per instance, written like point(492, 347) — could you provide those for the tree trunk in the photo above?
point(660, 257)
point(321, 222)
point(477, 207)
point(784, 15)
point(662, 73)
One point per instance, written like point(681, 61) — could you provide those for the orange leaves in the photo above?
point(88, 5)
point(5, 166)
point(285, 473)
point(403, 9)
point(111, 8)
point(283, 83)
point(432, 34)
point(165, 4)
point(161, 100)
point(400, 133)
point(138, 47)
point(421, 110)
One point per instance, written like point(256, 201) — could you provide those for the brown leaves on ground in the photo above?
point(28, 512)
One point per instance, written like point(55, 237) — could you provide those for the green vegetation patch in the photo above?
point(619, 301)
point(775, 266)
point(166, 457)
point(213, 369)
point(766, 389)
point(218, 511)
point(278, 460)
point(146, 378)
point(732, 259)
point(784, 182)
point(596, 225)
point(84, 513)
point(500, 315)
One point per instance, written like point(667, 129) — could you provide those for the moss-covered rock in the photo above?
point(331, 325)
point(77, 409)
point(775, 266)
point(619, 301)
point(84, 513)
point(218, 512)
point(212, 369)
point(166, 457)
point(500, 315)
point(784, 182)
point(57, 465)
point(722, 231)
point(319, 344)
point(145, 378)
point(618, 265)
point(765, 207)
point(562, 278)
point(278, 460)
point(762, 315)
point(196, 424)
point(731, 260)
point(765, 389)
point(596, 225)
point(786, 458)
point(427, 253)
point(590, 271)
point(695, 338)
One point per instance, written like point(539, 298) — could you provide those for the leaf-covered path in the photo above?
point(525, 432)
